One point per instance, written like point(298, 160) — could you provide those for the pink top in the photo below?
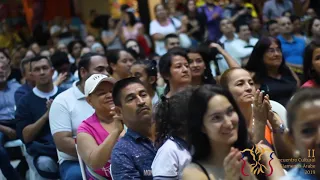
point(310, 84)
point(93, 127)
point(133, 33)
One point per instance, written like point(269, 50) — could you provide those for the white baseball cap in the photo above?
point(94, 80)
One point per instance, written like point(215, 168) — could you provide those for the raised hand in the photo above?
point(232, 165)
point(118, 121)
point(261, 107)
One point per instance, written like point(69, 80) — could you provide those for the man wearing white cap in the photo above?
point(98, 134)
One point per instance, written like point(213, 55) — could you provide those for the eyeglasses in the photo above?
point(274, 50)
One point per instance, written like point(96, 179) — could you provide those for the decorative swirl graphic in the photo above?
point(257, 153)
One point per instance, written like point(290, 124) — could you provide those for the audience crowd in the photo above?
point(215, 91)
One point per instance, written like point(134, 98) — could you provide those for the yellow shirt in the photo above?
point(9, 40)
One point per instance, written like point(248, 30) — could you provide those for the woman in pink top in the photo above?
point(99, 133)
point(132, 29)
point(311, 65)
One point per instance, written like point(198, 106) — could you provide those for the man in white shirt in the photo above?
point(67, 112)
point(240, 49)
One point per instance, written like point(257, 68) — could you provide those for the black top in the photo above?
point(280, 90)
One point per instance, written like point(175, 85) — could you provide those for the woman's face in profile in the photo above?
point(306, 130)
point(220, 122)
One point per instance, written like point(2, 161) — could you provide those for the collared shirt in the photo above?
point(293, 51)
point(67, 112)
point(132, 157)
point(7, 103)
point(299, 173)
point(213, 25)
point(273, 10)
point(22, 91)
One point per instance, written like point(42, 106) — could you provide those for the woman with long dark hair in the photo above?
point(132, 28)
point(171, 133)
point(270, 72)
point(174, 69)
point(314, 29)
point(200, 68)
point(311, 65)
point(218, 132)
point(120, 62)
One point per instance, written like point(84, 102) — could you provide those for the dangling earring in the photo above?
point(296, 154)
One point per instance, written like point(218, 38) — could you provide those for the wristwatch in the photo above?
point(281, 129)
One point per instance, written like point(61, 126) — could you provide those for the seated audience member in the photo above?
point(111, 37)
point(98, 48)
point(162, 26)
point(29, 82)
point(120, 62)
point(314, 29)
point(98, 134)
point(132, 156)
point(256, 28)
point(200, 68)
point(297, 27)
point(270, 72)
point(147, 72)
point(263, 124)
point(311, 65)
point(241, 49)
point(274, 9)
point(134, 45)
point(7, 122)
point(67, 112)
point(303, 121)
point(175, 70)
point(292, 46)
point(32, 117)
point(171, 132)
point(131, 28)
point(171, 41)
point(217, 130)
point(61, 64)
point(272, 28)
point(90, 40)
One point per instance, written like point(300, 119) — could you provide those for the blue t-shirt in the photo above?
point(293, 51)
point(132, 157)
point(22, 91)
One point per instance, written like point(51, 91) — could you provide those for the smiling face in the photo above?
point(241, 86)
point(306, 130)
point(179, 71)
point(220, 122)
point(197, 64)
point(101, 98)
point(273, 56)
point(136, 106)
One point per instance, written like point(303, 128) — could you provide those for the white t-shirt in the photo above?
point(67, 112)
point(156, 28)
point(170, 161)
point(238, 49)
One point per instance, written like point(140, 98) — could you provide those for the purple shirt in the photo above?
point(213, 25)
point(93, 127)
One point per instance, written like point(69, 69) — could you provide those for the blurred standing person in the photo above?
point(131, 28)
point(274, 9)
point(162, 26)
point(213, 15)
point(173, 9)
point(8, 38)
point(111, 37)
point(196, 30)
